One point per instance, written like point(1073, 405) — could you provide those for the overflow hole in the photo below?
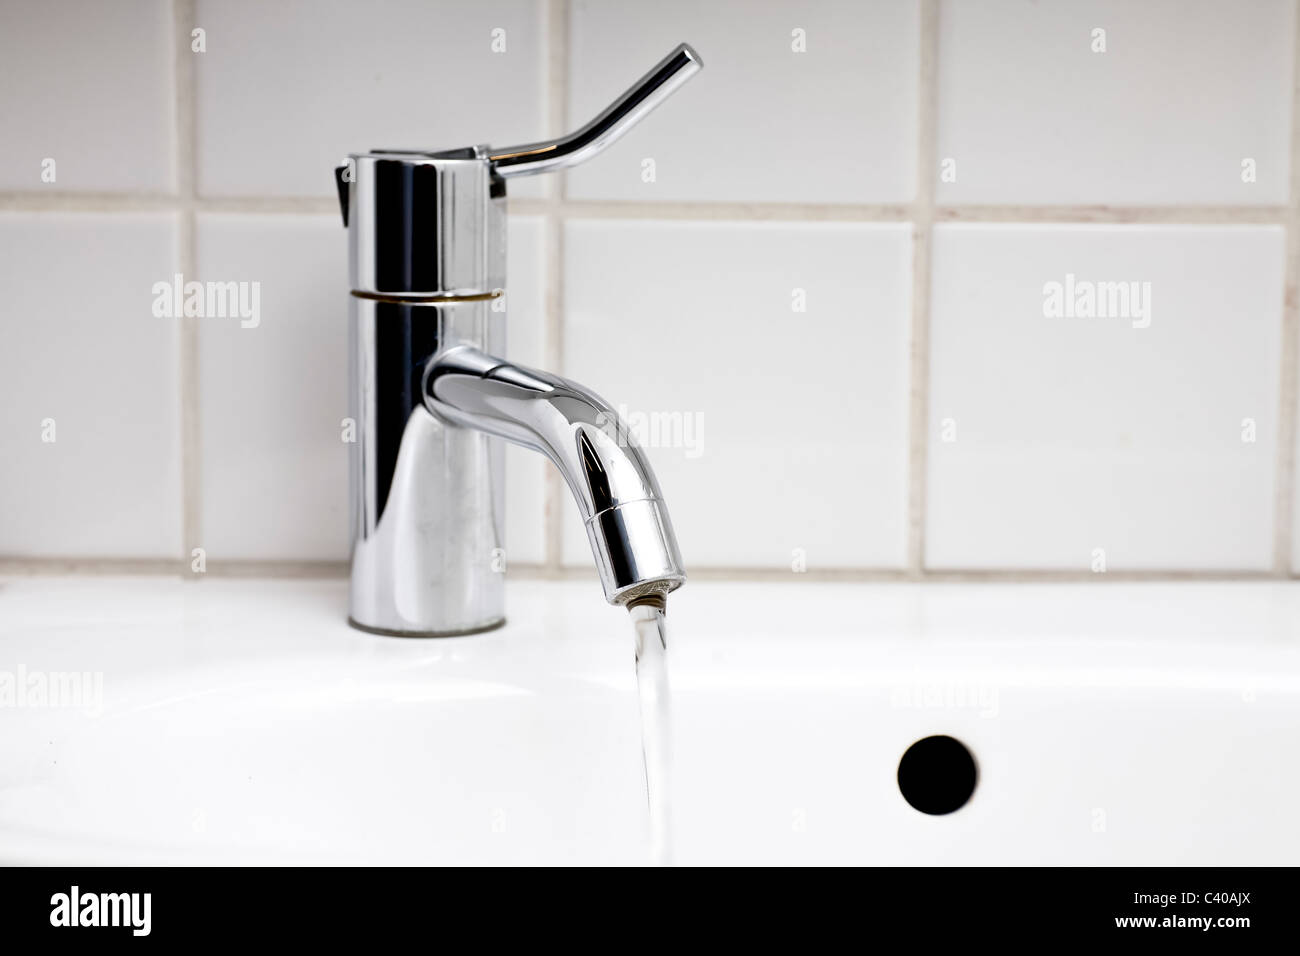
point(937, 774)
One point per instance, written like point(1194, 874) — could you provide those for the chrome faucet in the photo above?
point(430, 394)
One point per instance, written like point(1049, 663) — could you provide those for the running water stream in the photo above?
point(656, 729)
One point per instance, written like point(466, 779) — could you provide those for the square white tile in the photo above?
point(1147, 430)
point(273, 395)
point(812, 102)
point(526, 344)
point(1186, 92)
point(287, 89)
point(90, 421)
point(88, 85)
point(764, 366)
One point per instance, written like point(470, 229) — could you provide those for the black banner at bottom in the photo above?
point(1171, 907)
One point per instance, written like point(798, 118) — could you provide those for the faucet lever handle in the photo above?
point(643, 96)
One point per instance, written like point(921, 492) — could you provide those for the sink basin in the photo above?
point(242, 721)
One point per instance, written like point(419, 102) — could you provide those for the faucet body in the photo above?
point(432, 396)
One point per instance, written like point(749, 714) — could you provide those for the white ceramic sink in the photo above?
point(243, 721)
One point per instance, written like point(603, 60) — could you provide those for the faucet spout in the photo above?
point(618, 497)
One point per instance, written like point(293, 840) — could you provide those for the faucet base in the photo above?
point(428, 498)
point(389, 632)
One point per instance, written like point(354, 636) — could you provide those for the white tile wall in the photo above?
point(273, 396)
point(833, 123)
point(85, 356)
point(86, 84)
point(793, 435)
point(1184, 92)
point(286, 90)
point(1071, 434)
point(1053, 436)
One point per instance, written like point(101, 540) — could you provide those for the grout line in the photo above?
point(1188, 214)
point(756, 211)
point(281, 205)
point(958, 575)
point(31, 567)
point(186, 176)
point(34, 567)
point(1284, 501)
point(277, 569)
point(183, 105)
point(95, 202)
point(557, 92)
point(91, 202)
point(922, 230)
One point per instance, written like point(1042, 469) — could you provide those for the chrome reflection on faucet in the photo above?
point(431, 395)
